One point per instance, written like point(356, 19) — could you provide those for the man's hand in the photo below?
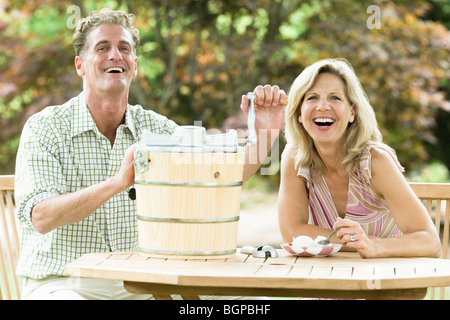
point(125, 176)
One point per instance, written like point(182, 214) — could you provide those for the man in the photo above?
point(72, 163)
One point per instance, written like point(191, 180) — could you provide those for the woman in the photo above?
point(337, 174)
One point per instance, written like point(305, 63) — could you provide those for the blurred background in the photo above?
point(197, 57)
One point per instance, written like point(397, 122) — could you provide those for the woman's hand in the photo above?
point(269, 117)
point(351, 234)
point(269, 107)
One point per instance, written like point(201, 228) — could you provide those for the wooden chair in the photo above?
point(436, 198)
point(9, 241)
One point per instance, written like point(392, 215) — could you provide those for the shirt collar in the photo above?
point(129, 122)
point(83, 121)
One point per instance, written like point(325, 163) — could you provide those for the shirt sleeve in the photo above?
point(39, 174)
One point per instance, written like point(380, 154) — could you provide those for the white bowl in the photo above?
point(312, 251)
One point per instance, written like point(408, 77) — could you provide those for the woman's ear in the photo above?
point(352, 114)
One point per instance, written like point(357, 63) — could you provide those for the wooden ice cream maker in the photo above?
point(188, 189)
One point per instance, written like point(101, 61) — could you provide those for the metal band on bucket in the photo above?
point(190, 184)
point(188, 253)
point(176, 220)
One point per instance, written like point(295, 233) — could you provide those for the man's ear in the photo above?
point(135, 67)
point(79, 65)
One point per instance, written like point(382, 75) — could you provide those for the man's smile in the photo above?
point(114, 70)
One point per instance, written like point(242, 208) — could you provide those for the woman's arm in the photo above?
point(419, 234)
point(293, 204)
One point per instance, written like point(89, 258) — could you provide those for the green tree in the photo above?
point(197, 57)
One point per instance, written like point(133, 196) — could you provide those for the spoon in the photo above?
point(326, 241)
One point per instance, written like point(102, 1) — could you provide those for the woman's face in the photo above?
point(326, 111)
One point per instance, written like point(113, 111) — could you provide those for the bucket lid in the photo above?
point(191, 139)
point(194, 138)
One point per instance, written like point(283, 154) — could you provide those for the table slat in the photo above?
point(321, 271)
point(342, 272)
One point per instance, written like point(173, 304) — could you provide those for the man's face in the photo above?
point(109, 63)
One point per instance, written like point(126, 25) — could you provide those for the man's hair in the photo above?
point(104, 16)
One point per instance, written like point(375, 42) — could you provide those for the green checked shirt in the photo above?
point(62, 151)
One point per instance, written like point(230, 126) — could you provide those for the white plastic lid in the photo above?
point(191, 139)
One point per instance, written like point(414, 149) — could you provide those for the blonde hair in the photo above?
point(360, 134)
point(104, 16)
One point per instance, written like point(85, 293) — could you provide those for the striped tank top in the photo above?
point(364, 205)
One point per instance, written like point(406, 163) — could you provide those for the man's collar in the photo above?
point(83, 121)
point(82, 118)
point(129, 122)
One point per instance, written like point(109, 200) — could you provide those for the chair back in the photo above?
point(9, 241)
point(436, 198)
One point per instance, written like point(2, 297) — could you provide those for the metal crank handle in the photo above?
point(251, 119)
point(251, 140)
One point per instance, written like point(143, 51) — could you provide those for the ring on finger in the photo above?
point(352, 237)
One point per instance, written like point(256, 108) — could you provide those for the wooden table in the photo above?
point(343, 275)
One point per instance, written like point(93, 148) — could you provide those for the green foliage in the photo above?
point(197, 57)
point(434, 172)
